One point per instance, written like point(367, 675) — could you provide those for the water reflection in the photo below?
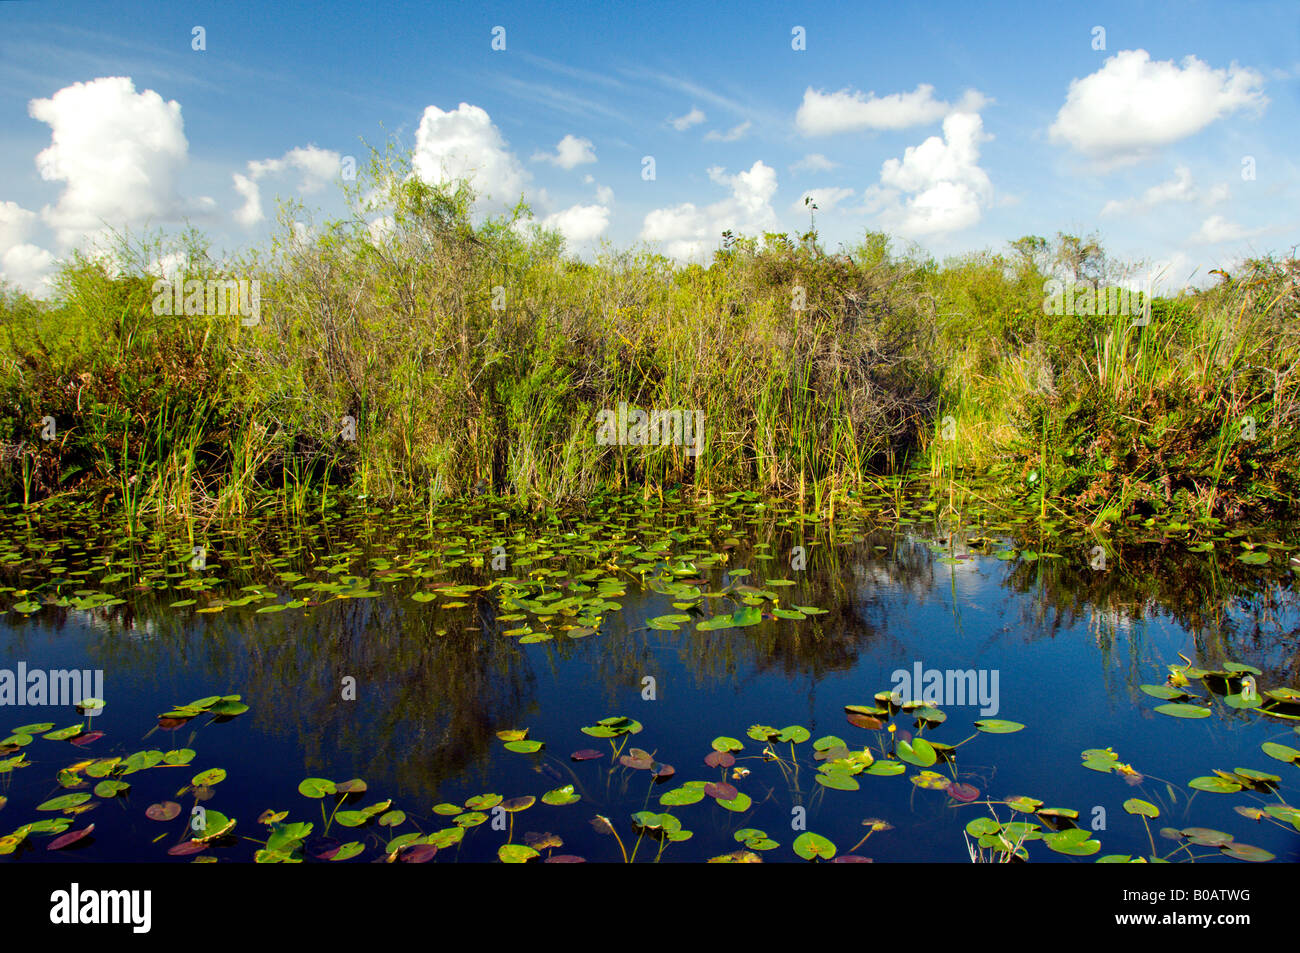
point(434, 681)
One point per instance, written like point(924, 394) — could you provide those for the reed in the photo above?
point(471, 354)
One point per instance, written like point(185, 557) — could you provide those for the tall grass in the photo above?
point(474, 356)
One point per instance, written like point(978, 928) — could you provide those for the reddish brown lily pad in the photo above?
point(419, 854)
point(864, 721)
point(166, 811)
point(721, 790)
point(70, 838)
point(543, 840)
point(586, 754)
point(719, 759)
point(323, 848)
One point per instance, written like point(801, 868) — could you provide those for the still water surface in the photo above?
point(382, 669)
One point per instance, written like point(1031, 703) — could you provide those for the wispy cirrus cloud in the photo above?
point(731, 135)
point(685, 121)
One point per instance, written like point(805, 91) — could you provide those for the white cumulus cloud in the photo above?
point(937, 187)
point(464, 143)
point(1132, 106)
point(118, 153)
point(570, 153)
point(317, 167)
point(27, 266)
point(15, 224)
point(24, 264)
point(689, 232)
point(825, 114)
point(579, 223)
point(1216, 229)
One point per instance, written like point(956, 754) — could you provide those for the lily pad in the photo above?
point(1215, 785)
point(1135, 805)
point(998, 726)
point(1183, 710)
point(812, 846)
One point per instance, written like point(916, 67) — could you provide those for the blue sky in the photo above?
point(954, 127)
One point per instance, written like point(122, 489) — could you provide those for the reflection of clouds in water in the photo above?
point(136, 628)
point(1112, 620)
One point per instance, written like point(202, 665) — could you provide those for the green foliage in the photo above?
point(474, 354)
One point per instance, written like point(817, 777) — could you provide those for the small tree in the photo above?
point(1081, 258)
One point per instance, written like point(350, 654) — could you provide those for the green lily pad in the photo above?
point(918, 752)
point(63, 734)
point(1075, 842)
point(998, 726)
point(561, 796)
point(1280, 752)
point(1135, 805)
point(839, 780)
point(1183, 710)
point(1256, 855)
point(794, 733)
point(679, 797)
point(216, 825)
point(353, 818)
point(886, 769)
point(1215, 785)
point(208, 778)
point(316, 787)
point(811, 846)
point(65, 802)
point(516, 853)
point(738, 804)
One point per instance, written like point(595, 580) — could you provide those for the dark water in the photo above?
point(1069, 646)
